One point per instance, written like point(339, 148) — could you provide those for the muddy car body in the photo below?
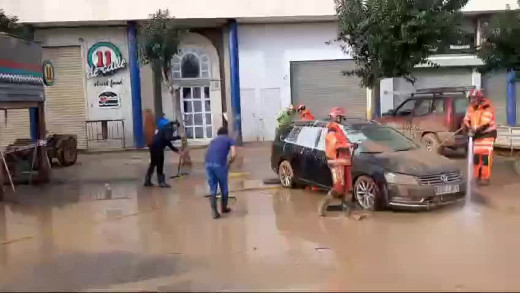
point(389, 170)
point(431, 118)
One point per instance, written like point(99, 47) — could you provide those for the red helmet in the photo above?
point(476, 94)
point(337, 111)
point(301, 107)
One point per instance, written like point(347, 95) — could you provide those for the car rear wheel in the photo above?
point(367, 193)
point(286, 173)
point(431, 143)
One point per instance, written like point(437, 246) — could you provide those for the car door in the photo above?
point(318, 168)
point(421, 119)
point(306, 146)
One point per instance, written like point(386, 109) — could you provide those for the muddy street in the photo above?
point(72, 235)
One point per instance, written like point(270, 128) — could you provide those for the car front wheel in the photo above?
point(367, 193)
point(286, 173)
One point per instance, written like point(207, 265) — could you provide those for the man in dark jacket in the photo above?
point(162, 139)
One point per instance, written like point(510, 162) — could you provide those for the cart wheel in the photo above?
point(68, 154)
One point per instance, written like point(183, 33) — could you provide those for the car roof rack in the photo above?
point(443, 90)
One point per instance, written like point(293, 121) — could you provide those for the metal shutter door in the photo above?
point(431, 78)
point(18, 126)
point(320, 85)
point(495, 85)
point(65, 100)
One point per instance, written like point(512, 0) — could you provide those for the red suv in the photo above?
point(431, 118)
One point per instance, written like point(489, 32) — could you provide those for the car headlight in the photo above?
point(396, 178)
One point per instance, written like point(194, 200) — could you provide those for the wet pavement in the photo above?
point(73, 235)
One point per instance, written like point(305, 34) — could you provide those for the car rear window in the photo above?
point(308, 137)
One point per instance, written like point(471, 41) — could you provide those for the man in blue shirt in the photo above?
point(217, 168)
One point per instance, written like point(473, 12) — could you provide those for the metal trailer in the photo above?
point(508, 144)
point(22, 87)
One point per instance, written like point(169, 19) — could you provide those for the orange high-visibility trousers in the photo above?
point(483, 158)
point(341, 180)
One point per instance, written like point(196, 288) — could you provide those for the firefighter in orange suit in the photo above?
point(480, 124)
point(305, 114)
point(339, 158)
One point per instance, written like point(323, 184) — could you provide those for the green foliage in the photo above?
point(159, 40)
point(388, 38)
point(9, 24)
point(501, 41)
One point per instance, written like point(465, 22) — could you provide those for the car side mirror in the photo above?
point(389, 113)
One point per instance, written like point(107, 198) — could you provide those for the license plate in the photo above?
point(446, 189)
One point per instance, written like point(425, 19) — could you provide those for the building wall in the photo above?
point(85, 38)
point(266, 51)
point(99, 10)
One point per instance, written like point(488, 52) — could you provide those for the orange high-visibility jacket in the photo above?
point(482, 119)
point(337, 145)
point(306, 115)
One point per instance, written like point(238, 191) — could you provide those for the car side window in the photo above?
point(439, 106)
point(293, 135)
point(406, 108)
point(308, 136)
point(423, 107)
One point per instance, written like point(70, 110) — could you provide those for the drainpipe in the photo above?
point(235, 80)
point(511, 98)
point(135, 82)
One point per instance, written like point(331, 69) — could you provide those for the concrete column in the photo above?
point(511, 98)
point(387, 95)
point(135, 81)
point(476, 79)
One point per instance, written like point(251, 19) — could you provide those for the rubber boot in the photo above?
point(324, 203)
point(346, 206)
point(214, 211)
point(223, 205)
point(148, 179)
point(162, 181)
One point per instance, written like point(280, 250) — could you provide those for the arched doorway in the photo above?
point(192, 74)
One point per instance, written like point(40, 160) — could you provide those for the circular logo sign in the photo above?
point(104, 59)
point(48, 73)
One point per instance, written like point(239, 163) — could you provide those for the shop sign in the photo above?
point(48, 73)
point(104, 59)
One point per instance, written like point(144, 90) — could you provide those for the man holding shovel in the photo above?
point(217, 169)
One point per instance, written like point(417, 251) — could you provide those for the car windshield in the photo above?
point(379, 139)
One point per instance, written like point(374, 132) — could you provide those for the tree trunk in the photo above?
point(186, 158)
point(157, 90)
point(376, 100)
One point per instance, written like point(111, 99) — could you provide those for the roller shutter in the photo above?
point(65, 100)
point(17, 126)
point(321, 85)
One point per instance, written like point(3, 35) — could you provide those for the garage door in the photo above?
point(65, 100)
point(320, 85)
point(431, 78)
point(495, 85)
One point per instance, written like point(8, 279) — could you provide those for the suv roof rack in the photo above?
point(443, 90)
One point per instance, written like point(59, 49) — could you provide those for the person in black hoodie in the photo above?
point(162, 139)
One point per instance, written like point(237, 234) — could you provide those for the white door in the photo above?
point(269, 107)
point(196, 108)
point(249, 115)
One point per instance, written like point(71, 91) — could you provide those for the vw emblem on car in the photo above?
point(444, 178)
